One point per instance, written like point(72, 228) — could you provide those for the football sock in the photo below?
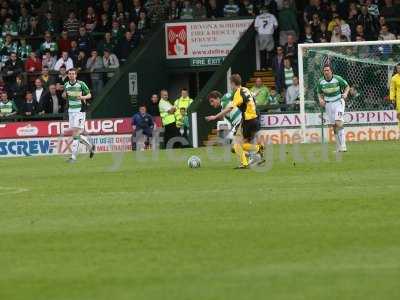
point(75, 147)
point(241, 154)
point(84, 140)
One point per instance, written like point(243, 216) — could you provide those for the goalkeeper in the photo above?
point(395, 91)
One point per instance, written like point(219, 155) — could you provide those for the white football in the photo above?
point(194, 162)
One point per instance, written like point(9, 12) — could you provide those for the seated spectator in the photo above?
point(64, 43)
point(126, 45)
point(48, 60)
point(84, 40)
point(293, 94)
point(40, 95)
point(90, 19)
point(17, 92)
point(336, 34)
point(64, 60)
point(34, 28)
point(9, 27)
point(260, 92)
point(274, 99)
point(45, 77)
point(315, 23)
point(81, 61)
point(136, 10)
point(231, 9)
point(49, 24)
point(106, 43)
point(385, 34)
point(157, 12)
point(23, 21)
point(9, 47)
point(116, 31)
point(153, 106)
point(143, 25)
point(322, 33)
point(74, 51)
point(368, 23)
point(173, 11)
point(24, 49)
point(33, 63)
point(61, 78)
point(186, 11)
point(30, 106)
point(142, 124)
point(95, 65)
point(344, 27)
point(199, 11)
point(55, 103)
point(308, 35)
point(7, 107)
point(110, 61)
point(213, 11)
point(104, 24)
point(247, 9)
point(71, 25)
point(13, 67)
point(48, 44)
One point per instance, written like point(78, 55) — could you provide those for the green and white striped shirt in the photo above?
point(73, 91)
point(235, 116)
point(332, 90)
point(289, 74)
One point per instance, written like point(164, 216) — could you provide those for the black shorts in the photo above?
point(250, 128)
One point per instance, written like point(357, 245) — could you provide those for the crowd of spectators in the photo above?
point(281, 27)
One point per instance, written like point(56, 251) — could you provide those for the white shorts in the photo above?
point(335, 111)
point(77, 120)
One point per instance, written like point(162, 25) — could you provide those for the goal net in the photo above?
point(366, 66)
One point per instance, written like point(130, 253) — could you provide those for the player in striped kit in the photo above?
point(333, 91)
point(77, 94)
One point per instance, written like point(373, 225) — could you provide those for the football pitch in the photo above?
point(143, 226)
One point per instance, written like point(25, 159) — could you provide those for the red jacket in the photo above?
point(30, 63)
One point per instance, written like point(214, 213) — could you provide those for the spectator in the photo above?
point(64, 60)
point(344, 27)
point(290, 49)
point(213, 11)
point(359, 32)
point(247, 8)
point(126, 46)
point(49, 24)
point(265, 25)
point(71, 25)
point(373, 8)
point(7, 107)
point(62, 78)
point(260, 92)
point(81, 61)
point(182, 103)
point(308, 35)
point(24, 49)
point(9, 27)
point(17, 91)
point(34, 26)
point(153, 106)
point(167, 114)
point(186, 11)
point(23, 22)
point(106, 43)
point(287, 23)
point(40, 95)
point(90, 19)
point(368, 23)
point(64, 43)
point(48, 44)
point(95, 65)
point(33, 63)
point(142, 123)
point(45, 77)
point(279, 69)
point(142, 26)
point(30, 107)
point(288, 72)
point(199, 11)
point(231, 9)
point(336, 34)
point(135, 11)
point(385, 34)
point(116, 31)
point(74, 51)
point(274, 99)
point(293, 94)
point(322, 34)
point(157, 12)
point(110, 62)
point(315, 24)
point(9, 47)
point(173, 11)
point(48, 60)
point(104, 25)
point(55, 103)
point(84, 40)
point(13, 67)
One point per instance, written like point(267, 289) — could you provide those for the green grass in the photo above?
point(159, 230)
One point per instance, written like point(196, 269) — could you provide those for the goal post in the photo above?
point(366, 66)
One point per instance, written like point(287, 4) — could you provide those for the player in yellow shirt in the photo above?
point(244, 101)
point(395, 91)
